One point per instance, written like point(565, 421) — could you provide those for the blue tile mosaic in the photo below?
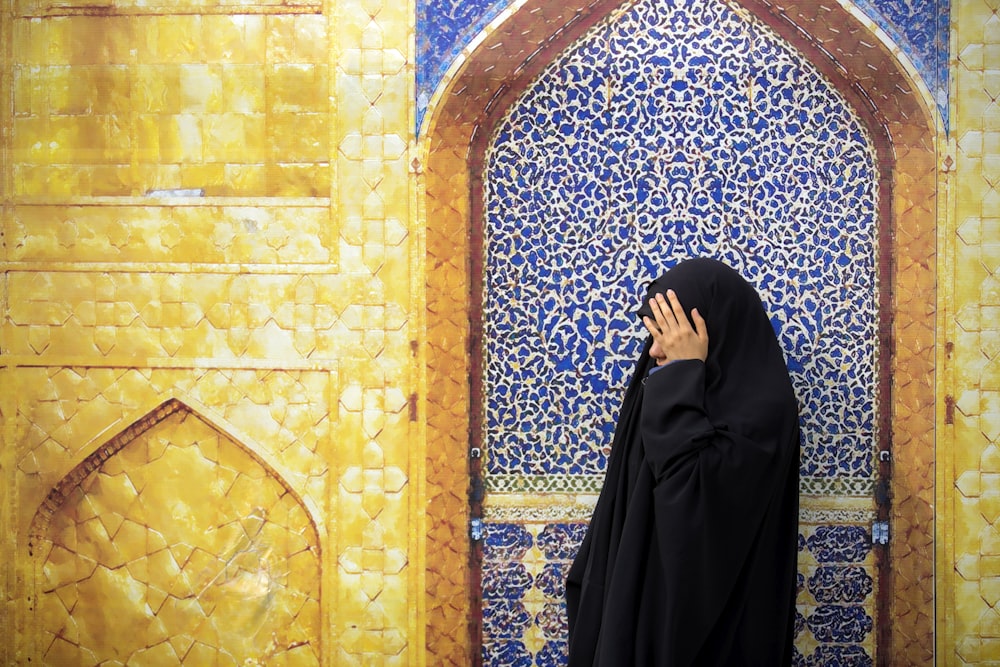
point(506, 654)
point(551, 582)
point(644, 143)
point(507, 619)
point(840, 544)
point(505, 580)
point(673, 131)
point(560, 541)
point(838, 656)
point(840, 623)
point(921, 30)
point(445, 27)
point(840, 585)
point(506, 542)
point(524, 598)
point(552, 621)
point(553, 654)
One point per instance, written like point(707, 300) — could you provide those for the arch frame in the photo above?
point(103, 447)
point(113, 439)
point(884, 88)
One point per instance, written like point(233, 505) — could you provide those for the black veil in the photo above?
point(690, 556)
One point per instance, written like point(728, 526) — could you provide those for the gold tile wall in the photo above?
point(231, 104)
point(210, 316)
point(969, 323)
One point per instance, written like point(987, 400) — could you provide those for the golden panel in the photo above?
point(129, 568)
point(967, 392)
point(294, 234)
point(106, 7)
point(162, 315)
point(447, 245)
point(183, 101)
point(246, 306)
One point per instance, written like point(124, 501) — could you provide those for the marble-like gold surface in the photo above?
point(119, 105)
point(178, 549)
point(968, 389)
point(273, 297)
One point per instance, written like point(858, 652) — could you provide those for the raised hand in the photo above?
point(673, 337)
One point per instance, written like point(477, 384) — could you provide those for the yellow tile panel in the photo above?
point(297, 39)
point(183, 233)
point(243, 88)
point(234, 39)
point(153, 78)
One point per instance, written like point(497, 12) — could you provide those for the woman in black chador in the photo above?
point(690, 554)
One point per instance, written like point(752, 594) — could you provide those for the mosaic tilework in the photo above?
point(628, 144)
point(836, 581)
point(921, 30)
point(523, 587)
point(824, 31)
point(524, 608)
point(445, 27)
point(121, 580)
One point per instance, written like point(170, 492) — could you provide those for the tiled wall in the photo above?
point(502, 65)
point(228, 104)
point(668, 132)
point(969, 392)
point(445, 28)
point(286, 312)
point(210, 334)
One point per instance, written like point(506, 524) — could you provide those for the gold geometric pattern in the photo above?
point(178, 548)
point(186, 315)
point(212, 202)
point(969, 391)
point(448, 574)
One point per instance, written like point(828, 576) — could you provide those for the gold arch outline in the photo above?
point(101, 448)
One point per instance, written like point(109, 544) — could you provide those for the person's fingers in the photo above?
point(658, 314)
point(676, 309)
point(699, 324)
point(650, 326)
point(665, 311)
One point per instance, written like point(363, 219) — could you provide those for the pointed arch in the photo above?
point(898, 109)
point(175, 527)
point(93, 456)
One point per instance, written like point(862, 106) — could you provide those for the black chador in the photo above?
point(690, 556)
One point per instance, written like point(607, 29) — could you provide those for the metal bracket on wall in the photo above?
point(476, 529)
point(880, 532)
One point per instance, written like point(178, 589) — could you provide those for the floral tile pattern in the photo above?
point(445, 27)
point(524, 610)
point(646, 142)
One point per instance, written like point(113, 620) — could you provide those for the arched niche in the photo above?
point(174, 542)
point(898, 111)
